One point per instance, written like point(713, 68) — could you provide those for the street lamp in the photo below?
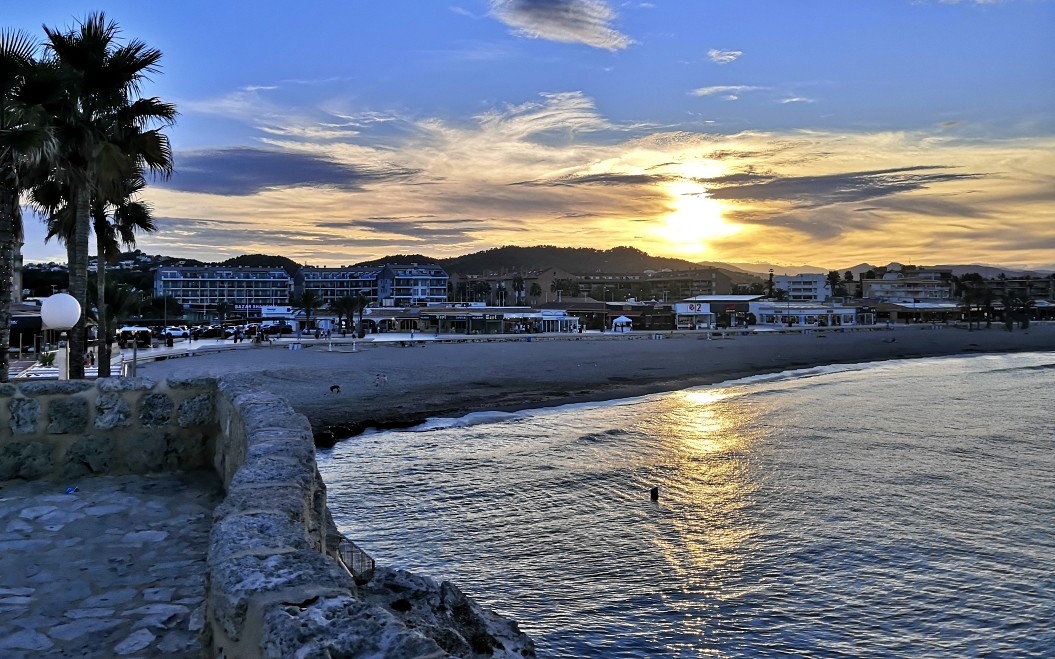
point(61, 312)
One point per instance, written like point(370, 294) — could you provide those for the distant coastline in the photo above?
point(342, 392)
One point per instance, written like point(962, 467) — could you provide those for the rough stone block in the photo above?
point(147, 452)
point(116, 385)
point(196, 411)
point(8, 389)
point(260, 534)
point(88, 455)
point(56, 387)
point(296, 444)
point(156, 450)
point(291, 501)
point(295, 577)
point(276, 470)
point(272, 415)
point(155, 410)
point(67, 416)
point(340, 626)
point(112, 411)
point(200, 382)
point(28, 460)
point(25, 414)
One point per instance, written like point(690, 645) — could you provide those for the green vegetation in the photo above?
point(77, 132)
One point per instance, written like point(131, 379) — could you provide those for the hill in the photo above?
point(263, 261)
point(577, 260)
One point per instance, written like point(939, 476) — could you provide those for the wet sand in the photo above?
point(386, 384)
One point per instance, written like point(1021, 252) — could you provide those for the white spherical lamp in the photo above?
point(60, 311)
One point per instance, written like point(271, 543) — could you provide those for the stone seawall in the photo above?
point(69, 429)
point(274, 584)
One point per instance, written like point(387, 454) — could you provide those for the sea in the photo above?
point(898, 508)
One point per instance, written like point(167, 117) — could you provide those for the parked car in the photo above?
point(176, 332)
point(216, 332)
point(134, 334)
point(277, 328)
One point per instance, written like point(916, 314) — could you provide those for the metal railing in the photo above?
point(356, 561)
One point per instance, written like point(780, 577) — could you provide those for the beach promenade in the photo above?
point(392, 380)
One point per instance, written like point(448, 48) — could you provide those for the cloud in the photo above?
point(565, 21)
point(817, 191)
point(797, 99)
point(351, 183)
point(723, 56)
point(415, 228)
point(245, 171)
point(727, 92)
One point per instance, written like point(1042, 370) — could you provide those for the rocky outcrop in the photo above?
point(440, 611)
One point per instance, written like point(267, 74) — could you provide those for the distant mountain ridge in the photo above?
point(580, 260)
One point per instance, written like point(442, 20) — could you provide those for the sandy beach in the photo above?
point(389, 384)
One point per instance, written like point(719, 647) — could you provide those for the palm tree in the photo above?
point(16, 59)
point(129, 215)
point(481, 290)
point(26, 143)
point(344, 307)
point(536, 291)
point(222, 309)
point(518, 290)
point(1011, 304)
point(122, 302)
point(101, 126)
point(309, 302)
point(1027, 306)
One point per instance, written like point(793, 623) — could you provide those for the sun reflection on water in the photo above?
point(707, 446)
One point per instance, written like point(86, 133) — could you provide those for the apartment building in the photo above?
point(390, 285)
point(805, 287)
point(908, 285)
point(335, 283)
point(201, 288)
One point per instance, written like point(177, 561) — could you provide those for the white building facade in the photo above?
point(806, 287)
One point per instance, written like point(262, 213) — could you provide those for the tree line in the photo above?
point(78, 141)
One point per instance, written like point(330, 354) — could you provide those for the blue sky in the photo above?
point(828, 133)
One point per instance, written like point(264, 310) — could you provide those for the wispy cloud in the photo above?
point(244, 171)
point(566, 21)
point(727, 92)
point(723, 56)
point(796, 99)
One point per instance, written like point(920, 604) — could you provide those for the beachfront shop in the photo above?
point(693, 316)
point(544, 321)
point(804, 314)
point(461, 321)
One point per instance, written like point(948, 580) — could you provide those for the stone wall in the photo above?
point(69, 429)
point(274, 584)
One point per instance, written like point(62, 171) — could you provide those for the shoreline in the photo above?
point(387, 385)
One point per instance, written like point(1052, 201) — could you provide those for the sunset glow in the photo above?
point(384, 128)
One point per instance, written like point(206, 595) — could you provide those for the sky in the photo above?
point(821, 132)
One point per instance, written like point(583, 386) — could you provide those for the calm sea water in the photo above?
point(890, 509)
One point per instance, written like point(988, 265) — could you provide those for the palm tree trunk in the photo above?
point(7, 267)
point(77, 262)
point(101, 314)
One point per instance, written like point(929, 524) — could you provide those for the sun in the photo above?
point(695, 219)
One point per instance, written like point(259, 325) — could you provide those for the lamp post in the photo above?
point(61, 312)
